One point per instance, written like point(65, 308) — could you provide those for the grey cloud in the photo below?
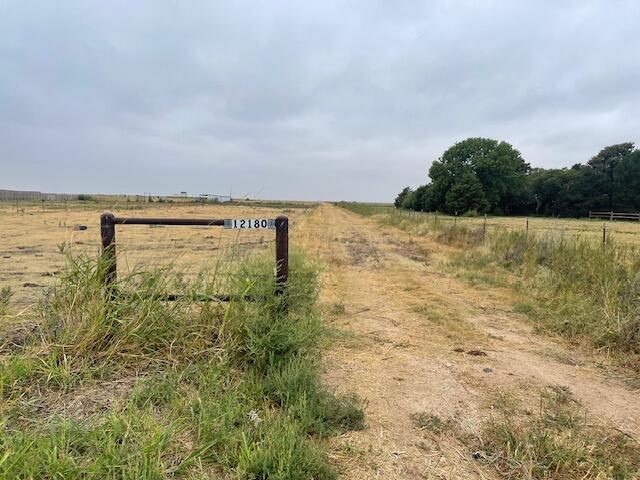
point(342, 99)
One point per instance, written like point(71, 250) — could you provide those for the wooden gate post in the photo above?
point(282, 254)
point(108, 234)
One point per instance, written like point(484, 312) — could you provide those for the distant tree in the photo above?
point(401, 196)
point(605, 163)
point(466, 194)
point(499, 167)
point(486, 175)
point(409, 201)
point(420, 198)
point(627, 182)
point(546, 187)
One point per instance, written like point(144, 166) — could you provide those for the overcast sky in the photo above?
point(322, 100)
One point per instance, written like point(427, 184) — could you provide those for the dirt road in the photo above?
point(416, 340)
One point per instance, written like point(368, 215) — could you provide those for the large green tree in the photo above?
point(490, 176)
point(498, 166)
point(626, 182)
point(605, 163)
point(466, 194)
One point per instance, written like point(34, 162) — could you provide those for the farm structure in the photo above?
point(26, 195)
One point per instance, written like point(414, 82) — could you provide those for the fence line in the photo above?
point(614, 215)
point(529, 227)
point(32, 195)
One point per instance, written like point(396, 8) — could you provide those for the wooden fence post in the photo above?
point(108, 234)
point(282, 254)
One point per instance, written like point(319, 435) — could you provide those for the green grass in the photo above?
point(367, 209)
point(208, 389)
point(558, 441)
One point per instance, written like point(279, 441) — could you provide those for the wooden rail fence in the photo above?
point(614, 215)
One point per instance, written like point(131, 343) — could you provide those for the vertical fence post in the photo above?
point(282, 254)
point(108, 234)
point(526, 228)
point(455, 220)
point(604, 234)
point(484, 227)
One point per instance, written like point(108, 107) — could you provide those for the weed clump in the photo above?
point(558, 442)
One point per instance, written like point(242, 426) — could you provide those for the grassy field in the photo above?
point(576, 285)
point(623, 233)
point(101, 385)
point(36, 240)
point(425, 324)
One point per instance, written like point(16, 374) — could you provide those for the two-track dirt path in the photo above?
point(401, 316)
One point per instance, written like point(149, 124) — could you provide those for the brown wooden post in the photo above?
point(108, 234)
point(604, 234)
point(526, 229)
point(282, 254)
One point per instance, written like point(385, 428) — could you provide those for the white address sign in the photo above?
point(249, 223)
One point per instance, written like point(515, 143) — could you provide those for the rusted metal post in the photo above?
point(282, 254)
point(108, 234)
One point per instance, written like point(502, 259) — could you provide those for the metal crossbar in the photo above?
point(108, 223)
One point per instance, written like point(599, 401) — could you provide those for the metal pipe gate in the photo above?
point(108, 223)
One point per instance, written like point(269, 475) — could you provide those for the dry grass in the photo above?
point(127, 385)
point(34, 243)
point(624, 233)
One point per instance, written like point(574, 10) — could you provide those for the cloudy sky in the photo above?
point(323, 100)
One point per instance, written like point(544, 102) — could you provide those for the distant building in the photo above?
point(21, 195)
point(214, 198)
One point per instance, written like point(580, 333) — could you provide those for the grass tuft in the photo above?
point(558, 443)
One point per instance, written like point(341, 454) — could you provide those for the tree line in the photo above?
point(482, 175)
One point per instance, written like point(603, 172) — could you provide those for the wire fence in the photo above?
point(597, 229)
